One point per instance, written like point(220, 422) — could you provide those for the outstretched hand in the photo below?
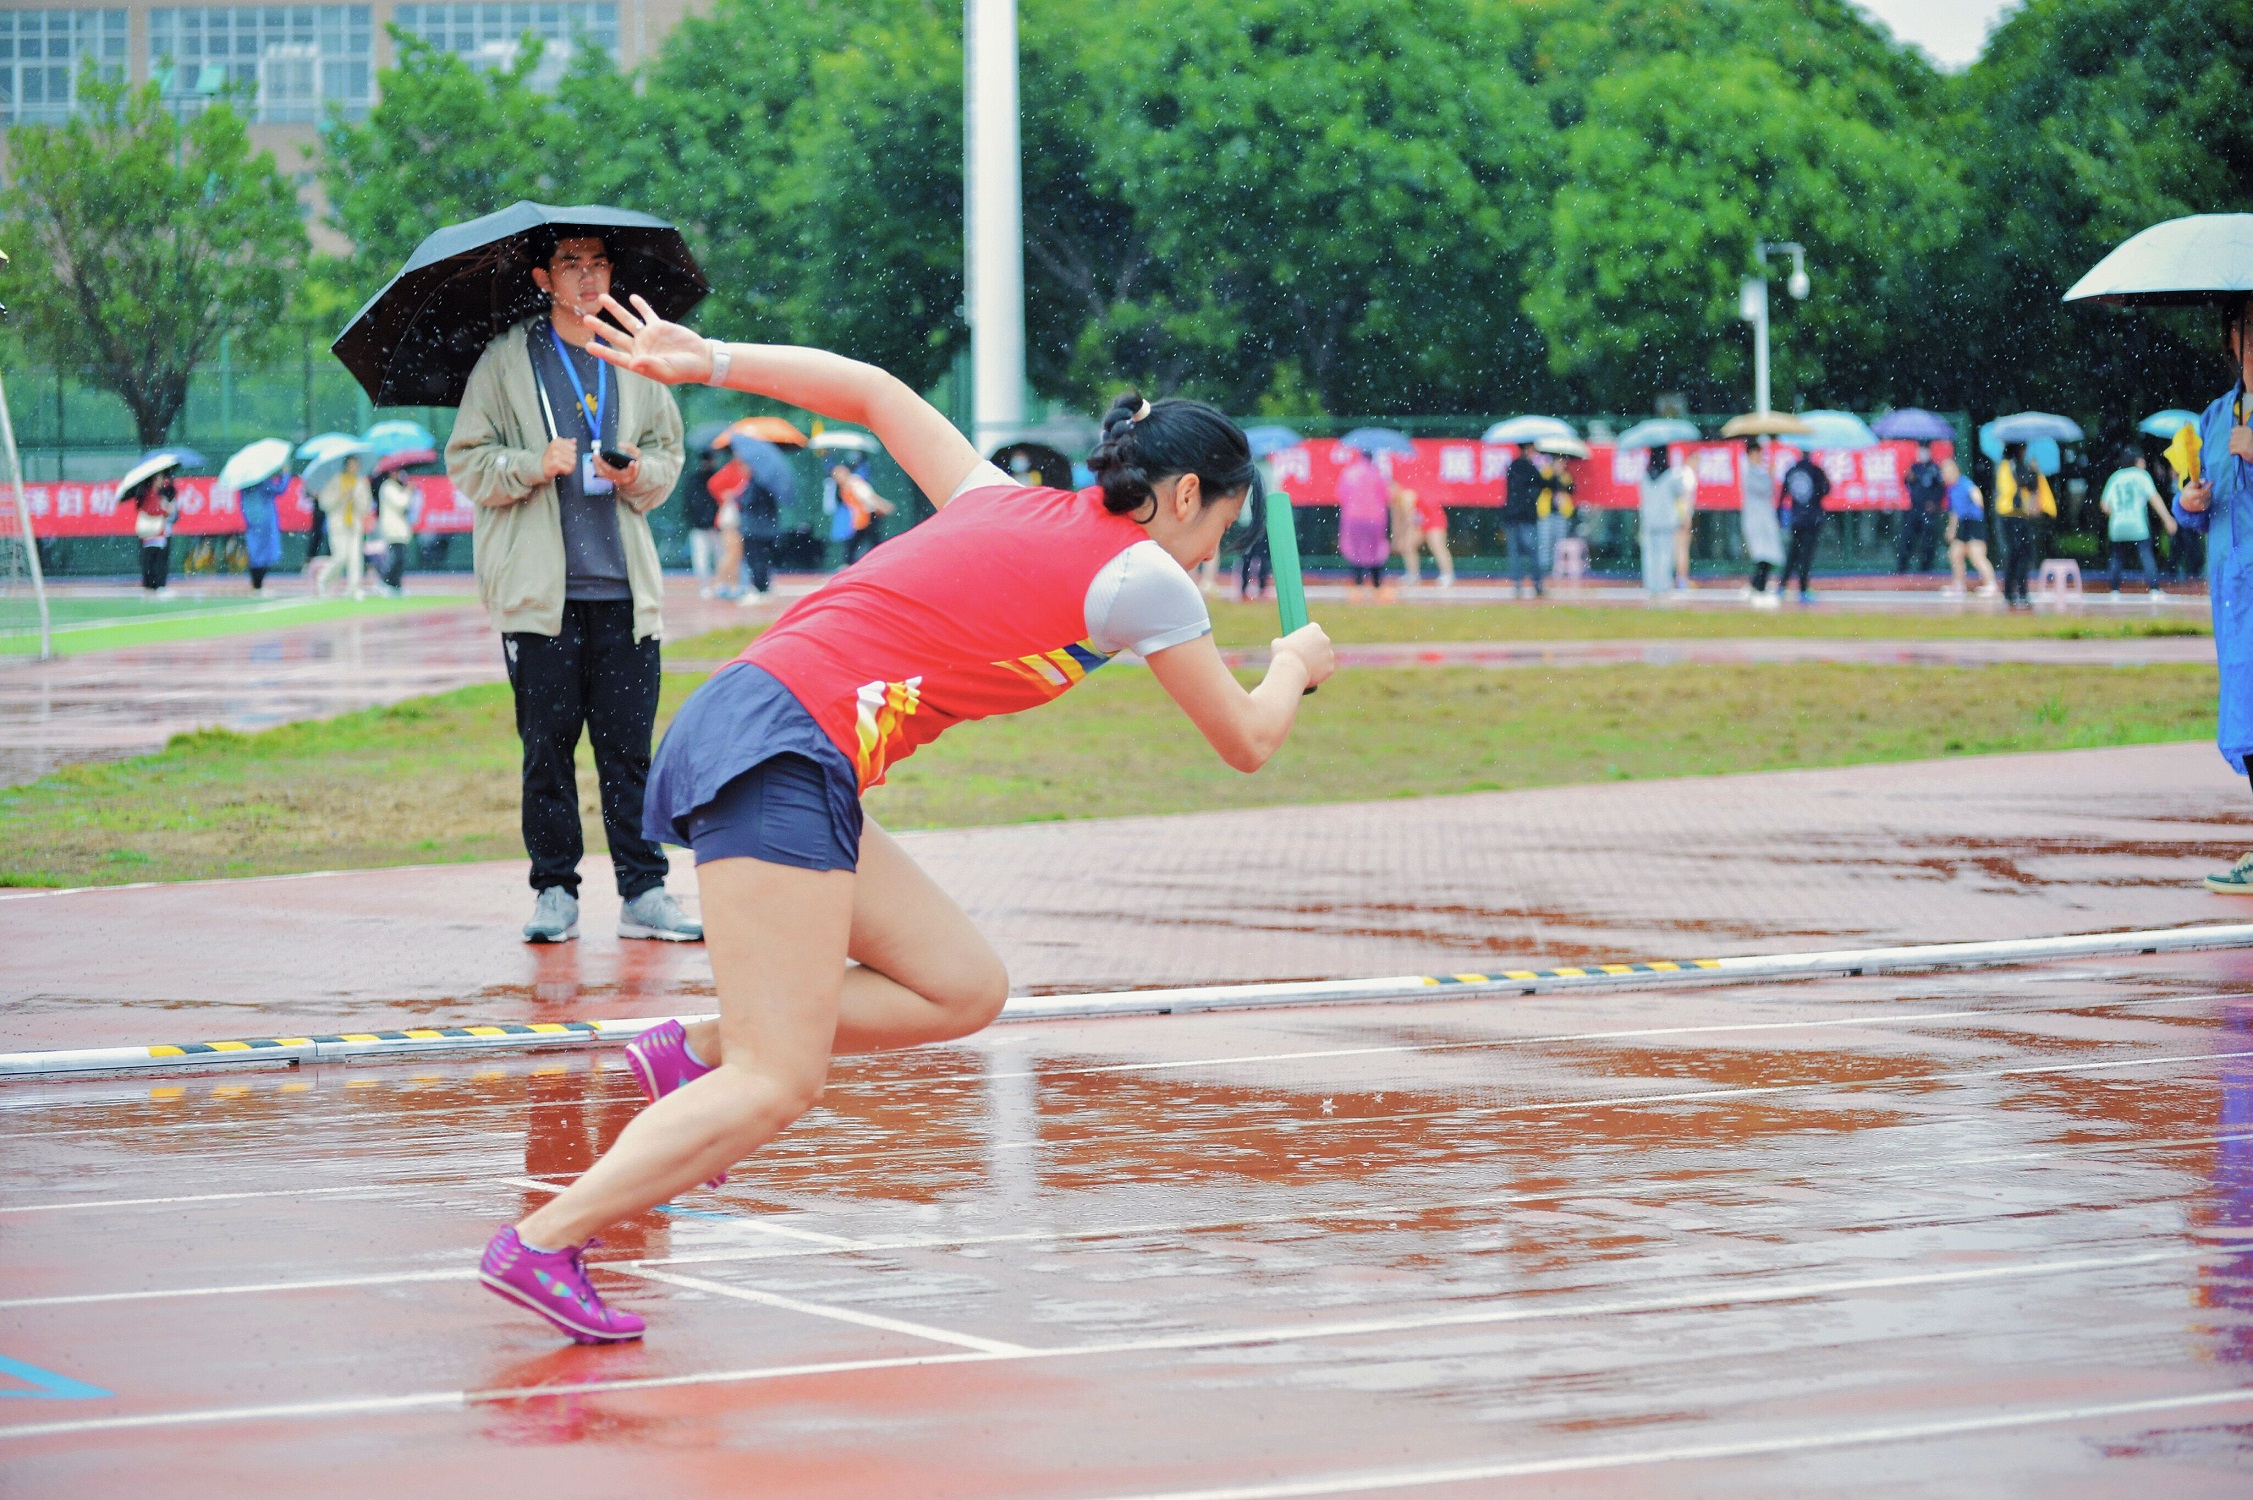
point(640, 341)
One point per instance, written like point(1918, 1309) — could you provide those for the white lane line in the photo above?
point(326, 1283)
point(1334, 1213)
point(368, 1406)
point(825, 1310)
point(1715, 1298)
point(1401, 1479)
point(301, 1192)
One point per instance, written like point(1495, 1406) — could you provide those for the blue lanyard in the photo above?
point(602, 387)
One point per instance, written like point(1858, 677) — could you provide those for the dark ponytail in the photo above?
point(1144, 442)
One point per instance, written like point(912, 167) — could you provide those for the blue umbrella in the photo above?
point(766, 463)
point(1659, 432)
point(2041, 452)
point(184, 457)
point(2182, 262)
point(1913, 424)
point(1271, 439)
point(315, 446)
point(387, 438)
point(2026, 426)
point(1831, 431)
point(1376, 440)
point(325, 455)
point(1526, 430)
point(2165, 424)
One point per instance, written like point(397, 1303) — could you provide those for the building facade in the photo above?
point(294, 61)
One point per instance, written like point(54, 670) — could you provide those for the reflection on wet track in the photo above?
point(1977, 1232)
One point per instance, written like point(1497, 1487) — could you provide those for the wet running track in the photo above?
point(1981, 1233)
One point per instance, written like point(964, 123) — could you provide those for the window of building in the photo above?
point(489, 34)
point(293, 60)
point(41, 52)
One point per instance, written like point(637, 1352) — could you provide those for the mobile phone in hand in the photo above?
point(617, 460)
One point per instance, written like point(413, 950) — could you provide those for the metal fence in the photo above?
point(70, 430)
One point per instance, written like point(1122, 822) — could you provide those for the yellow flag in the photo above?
point(2182, 454)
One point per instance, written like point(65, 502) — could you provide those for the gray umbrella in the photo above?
point(1377, 440)
point(1659, 432)
point(2183, 262)
point(416, 340)
point(2028, 426)
point(1913, 424)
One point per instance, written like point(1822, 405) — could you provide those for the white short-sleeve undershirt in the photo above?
point(1141, 601)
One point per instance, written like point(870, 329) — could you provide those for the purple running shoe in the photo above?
point(553, 1283)
point(661, 1060)
point(662, 1063)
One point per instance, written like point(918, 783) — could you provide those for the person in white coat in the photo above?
point(1756, 513)
point(1667, 493)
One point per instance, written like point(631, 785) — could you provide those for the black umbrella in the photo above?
point(416, 340)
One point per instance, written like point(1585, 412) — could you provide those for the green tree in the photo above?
point(1677, 168)
point(446, 142)
point(144, 241)
point(869, 208)
point(2084, 123)
point(1326, 191)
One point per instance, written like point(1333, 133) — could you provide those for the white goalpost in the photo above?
point(23, 588)
point(993, 221)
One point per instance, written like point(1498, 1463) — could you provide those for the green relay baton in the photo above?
point(1283, 558)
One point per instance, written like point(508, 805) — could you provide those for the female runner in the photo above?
point(1004, 599)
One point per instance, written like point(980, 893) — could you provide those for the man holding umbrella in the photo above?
point(564, 456)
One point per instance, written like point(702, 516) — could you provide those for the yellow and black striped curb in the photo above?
point(519, 1036)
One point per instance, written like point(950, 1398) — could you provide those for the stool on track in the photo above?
point(1571, 559)
point(2061, 575)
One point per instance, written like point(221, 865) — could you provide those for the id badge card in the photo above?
point(591, 483)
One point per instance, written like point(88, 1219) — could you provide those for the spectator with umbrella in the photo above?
point(257, 476)
point(148, 492)
point(1666, 495)
point(563, 456)
point(768, 489)
point(342, 498)
point(1928, 492)
point(2208, 259)
point(1555, 504)
point(1806, 485)
point(1756, 498)
point(1524, 486)
point(399, 446)
point(2023, 499)
point(1364, 511)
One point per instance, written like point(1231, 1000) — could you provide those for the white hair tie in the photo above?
point(1143, 412)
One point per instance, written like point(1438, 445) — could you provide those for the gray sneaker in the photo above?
point(655, 914)
point(555, 917)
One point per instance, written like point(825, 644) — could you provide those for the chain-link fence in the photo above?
point(69, 430)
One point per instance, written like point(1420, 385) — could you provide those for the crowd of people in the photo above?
point(1990, 545)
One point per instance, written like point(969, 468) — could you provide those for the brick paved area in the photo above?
point(1999, 846)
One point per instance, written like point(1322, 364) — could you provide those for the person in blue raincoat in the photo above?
point(262, 527)
point(2215, 461)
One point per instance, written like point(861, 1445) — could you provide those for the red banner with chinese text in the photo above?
point(1465, 473)
point(72, 508)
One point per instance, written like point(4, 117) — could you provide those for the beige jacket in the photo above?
point(494, 460)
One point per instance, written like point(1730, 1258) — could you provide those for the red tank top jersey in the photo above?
point(981, 610)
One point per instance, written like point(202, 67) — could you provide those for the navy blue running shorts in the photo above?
point(745, 772)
